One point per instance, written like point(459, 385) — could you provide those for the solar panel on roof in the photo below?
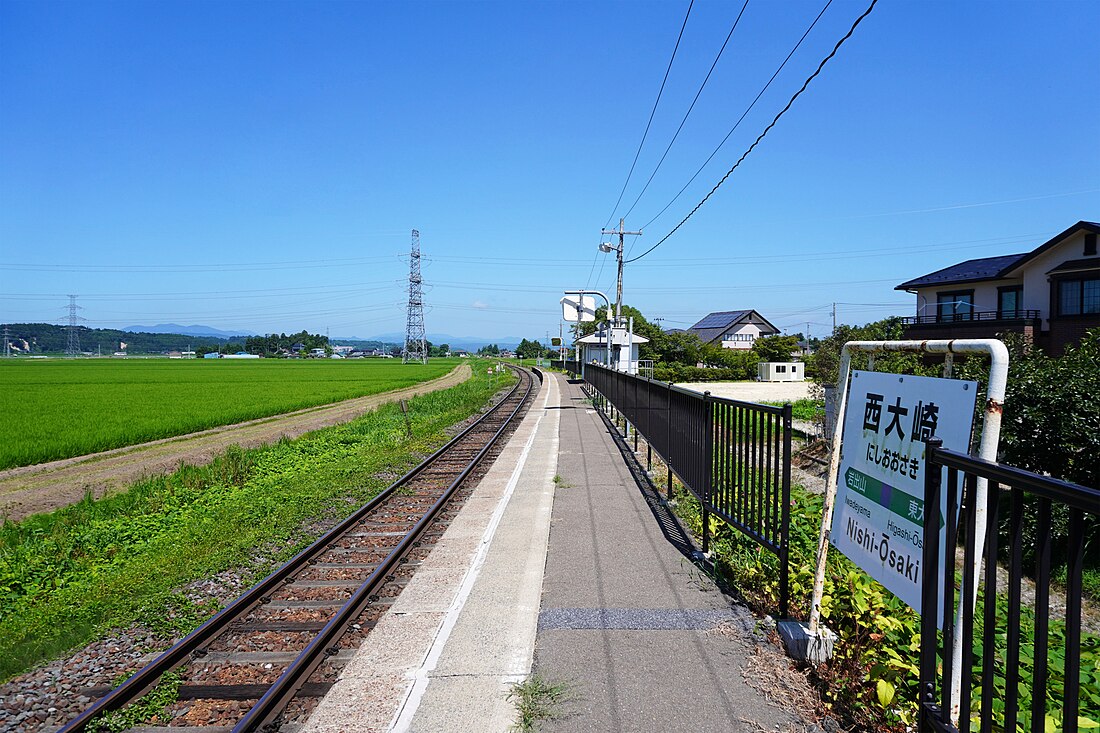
point(711, 321)
point(718, 320)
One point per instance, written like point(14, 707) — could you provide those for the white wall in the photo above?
point(744, 328)
point(1036, 286)
point(778, 371)
point(627, 361)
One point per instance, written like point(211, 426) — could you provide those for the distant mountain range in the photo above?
point(472, 343)
point(188, 330)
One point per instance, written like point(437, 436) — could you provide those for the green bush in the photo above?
point(682, 373)
point(873, 676)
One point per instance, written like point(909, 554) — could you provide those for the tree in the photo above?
point(824, 364)
point(489, 350)
point(529, 349)
point(775, 348)
point(680, 347)
point(1052, 410)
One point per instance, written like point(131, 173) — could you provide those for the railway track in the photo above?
point(267, 657)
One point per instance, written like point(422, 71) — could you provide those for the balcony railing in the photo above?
point(943, 318)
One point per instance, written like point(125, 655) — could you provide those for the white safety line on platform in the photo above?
point(415, 694)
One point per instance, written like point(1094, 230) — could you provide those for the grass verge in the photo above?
point(536, 700)
point(804, 409)
point(70, 575)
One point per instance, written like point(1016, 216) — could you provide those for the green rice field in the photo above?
point(61, 408)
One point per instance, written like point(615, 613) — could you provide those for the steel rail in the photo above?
point(274, 701)
point(144, 679)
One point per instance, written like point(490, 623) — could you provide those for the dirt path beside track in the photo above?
point(47, 486)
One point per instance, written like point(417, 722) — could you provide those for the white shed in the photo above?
point(781, 371)
point(624, 349)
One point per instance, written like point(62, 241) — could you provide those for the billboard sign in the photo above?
point(880, 512)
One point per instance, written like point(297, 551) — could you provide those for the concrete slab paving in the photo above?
point(642, 639)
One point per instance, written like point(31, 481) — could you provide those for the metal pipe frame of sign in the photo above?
point(607, 300)
point(987, 449)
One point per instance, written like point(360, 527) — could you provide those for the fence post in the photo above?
point(785, 529)
point(668, 438)
point(708, 469)
point(929, 587)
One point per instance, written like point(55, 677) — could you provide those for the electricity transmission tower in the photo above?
point(415, 348)
point(73, 347)
point(7, 342)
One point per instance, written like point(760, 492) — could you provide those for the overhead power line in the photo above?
point(687, 114)
point(741, 118)
point(638, 152)
point(651, 113)
point(772, 124)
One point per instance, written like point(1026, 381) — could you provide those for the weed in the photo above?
point(804, 409)
point(537, 699)
point(147, 709)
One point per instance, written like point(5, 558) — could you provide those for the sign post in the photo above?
point(579, 306)
point(987, 448)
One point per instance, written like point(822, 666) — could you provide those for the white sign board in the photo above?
point(576, 307)
point(879, 517)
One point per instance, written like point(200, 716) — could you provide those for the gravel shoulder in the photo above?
point(753, 391)
point(48, 486)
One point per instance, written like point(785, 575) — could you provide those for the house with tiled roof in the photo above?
point(733, 329)
point(1050, 294)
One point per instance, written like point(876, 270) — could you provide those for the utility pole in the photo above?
point(834, 319)
point(619, 256)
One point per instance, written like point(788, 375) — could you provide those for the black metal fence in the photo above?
point(734, 457)
point(1010, 639)
point(971, 315)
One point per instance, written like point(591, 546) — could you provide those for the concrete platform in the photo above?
point(564, 564)
point(642, 638)
point(463, 630)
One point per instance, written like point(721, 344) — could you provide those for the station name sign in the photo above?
point(880, 512)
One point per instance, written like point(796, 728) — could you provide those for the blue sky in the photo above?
point(260, 165)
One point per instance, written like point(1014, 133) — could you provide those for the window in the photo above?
point(1008, 302)
point(780, 369)
point(955, 306)
point(1090, 244)
point(1079, 297)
